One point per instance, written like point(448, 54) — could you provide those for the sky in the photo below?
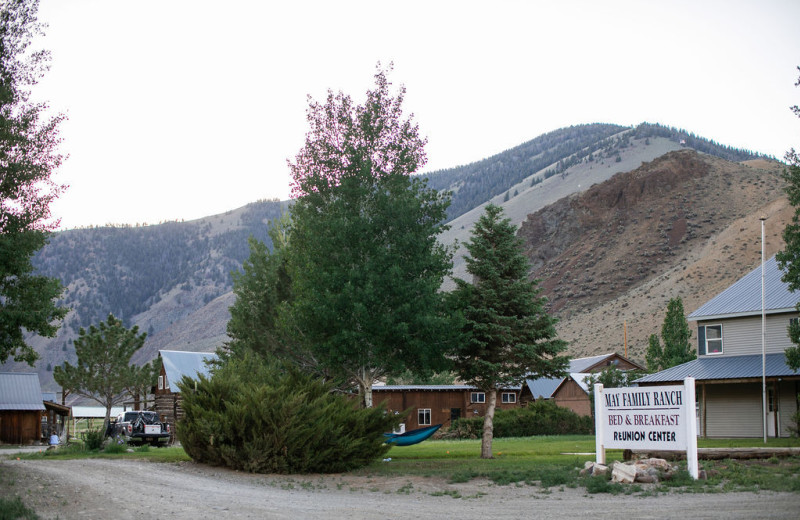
point(183, 109)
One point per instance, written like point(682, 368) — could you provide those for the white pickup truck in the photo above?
point(139, 427)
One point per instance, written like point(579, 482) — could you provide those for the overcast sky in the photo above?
point(183, 109)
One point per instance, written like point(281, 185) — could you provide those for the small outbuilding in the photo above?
point(21, 408)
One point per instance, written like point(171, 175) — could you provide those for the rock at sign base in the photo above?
point(623, 473)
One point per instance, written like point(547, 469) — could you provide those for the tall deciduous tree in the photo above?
point(365, 263)
point(507, 333)
point(104, 372)
point(28, 157)
point(675, 333)
point(789, 258)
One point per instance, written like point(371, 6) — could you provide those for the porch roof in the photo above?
point(710, 368)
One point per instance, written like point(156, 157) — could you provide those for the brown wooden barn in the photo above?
point(439, 404)
point(572, 391)
point(21, 408)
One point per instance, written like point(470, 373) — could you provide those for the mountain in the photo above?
point(600, 190)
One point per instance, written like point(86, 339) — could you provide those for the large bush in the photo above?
point(539, 418)
point(258, 417)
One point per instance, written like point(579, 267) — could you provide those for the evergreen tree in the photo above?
point(507, 333)
point(675, 333)
point(789, 258)
point(104, 372)
point(28, 157)
point(364, 259)
point(261, 288)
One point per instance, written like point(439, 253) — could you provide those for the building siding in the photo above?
point(741, 336)
point(788, 392)
point(734, 410)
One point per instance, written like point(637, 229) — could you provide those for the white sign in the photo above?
point(647, 418)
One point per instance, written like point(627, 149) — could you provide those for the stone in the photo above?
point(624, 473)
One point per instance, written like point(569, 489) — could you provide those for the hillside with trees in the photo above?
point(173, 279)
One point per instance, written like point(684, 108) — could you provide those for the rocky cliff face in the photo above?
point(643, 232)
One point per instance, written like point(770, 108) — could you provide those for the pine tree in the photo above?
point(507, 333)
point(675, 333)
point(104, 372)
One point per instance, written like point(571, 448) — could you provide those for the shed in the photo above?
point(21, 408)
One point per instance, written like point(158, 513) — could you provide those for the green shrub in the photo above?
point(115, 446)
point(540, 418)
point(14, 509)
point(93, 439)
point(259, 417)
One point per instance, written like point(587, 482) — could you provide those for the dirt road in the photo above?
point(125, 489)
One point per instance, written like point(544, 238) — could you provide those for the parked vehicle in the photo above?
point(139, 427)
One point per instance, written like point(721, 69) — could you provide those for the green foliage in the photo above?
point(258, 417)
point(261, 288)
point(28, 152)
point(15, 509)
point(104, 372)
point(539, 418)
point(789, 258)
point(93, 439)
point(364, 258)
point(675, 333)
point(115, 446)
point(507, 334)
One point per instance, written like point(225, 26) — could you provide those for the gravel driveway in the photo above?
point(123, 489)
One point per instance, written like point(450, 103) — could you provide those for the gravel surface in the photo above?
point(122, 489)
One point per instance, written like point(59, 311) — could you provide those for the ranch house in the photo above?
point(21, 408)
point(728, 370)
point(174, 365)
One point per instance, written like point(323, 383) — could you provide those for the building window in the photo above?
point(424, 416)
point(160, 382)
point(713, 339)
point(477, 397)
point(508, 397)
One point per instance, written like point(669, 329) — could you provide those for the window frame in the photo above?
point(715, 340)
point(477, 397)
point(508, 397)
point(422, 415)
point(161, 382)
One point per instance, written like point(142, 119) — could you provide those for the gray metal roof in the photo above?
point(581, 365)
point(544, 387)
point(744, 297)
point(178, 364)
point(20, 391)
point(708, 368)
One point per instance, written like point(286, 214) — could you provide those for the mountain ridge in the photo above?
point(187, 310)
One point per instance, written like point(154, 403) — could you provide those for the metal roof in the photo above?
point(178, 364)
point(95, 411)
point(580, 365)
point(708, 368)
point(544, 387)
point(20, 391)
point(432, 388)
point(744, 297)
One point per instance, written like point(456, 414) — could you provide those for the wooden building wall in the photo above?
point(20, 426)
point(571, 395)
point(444, 405)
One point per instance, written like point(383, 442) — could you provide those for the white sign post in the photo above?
point(648, 418)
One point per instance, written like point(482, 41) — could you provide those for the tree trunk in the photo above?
point(365, 388)
point(488, 425)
